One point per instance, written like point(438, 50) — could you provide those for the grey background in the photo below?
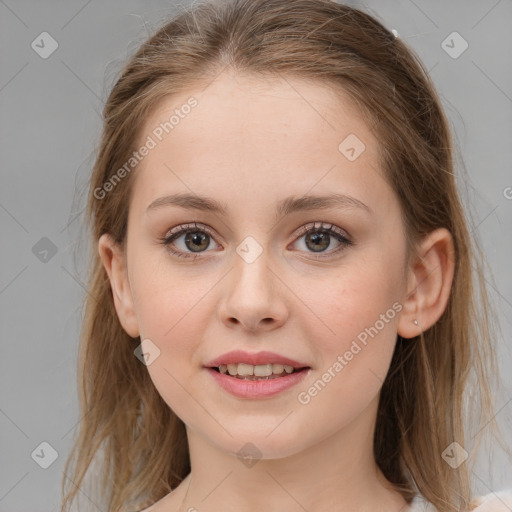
point(49, 126)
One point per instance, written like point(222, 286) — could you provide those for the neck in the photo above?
point(338, 473)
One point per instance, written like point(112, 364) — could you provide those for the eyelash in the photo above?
point(329, 229)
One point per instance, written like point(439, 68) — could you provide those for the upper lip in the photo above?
point(255, 358)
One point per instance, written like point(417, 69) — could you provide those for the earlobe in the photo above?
point(430, 283)
point(114, 262)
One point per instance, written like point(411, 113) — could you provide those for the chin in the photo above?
point(259, 444)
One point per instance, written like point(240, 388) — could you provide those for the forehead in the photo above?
point(256, 136)
point(231, 101)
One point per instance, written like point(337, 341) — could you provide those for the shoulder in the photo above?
point(500, 501)
point(171, 502)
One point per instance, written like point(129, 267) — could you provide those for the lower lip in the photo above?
point(262, 388)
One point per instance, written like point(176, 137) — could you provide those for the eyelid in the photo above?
point(326, 226)
point(181, 229)
point(341, 235)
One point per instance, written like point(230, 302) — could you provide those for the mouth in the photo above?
point(243, 371)
point(256, 375)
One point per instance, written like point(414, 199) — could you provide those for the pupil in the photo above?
point(320, 240)
point(196, 240)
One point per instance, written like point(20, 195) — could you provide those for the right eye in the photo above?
point(196, 240)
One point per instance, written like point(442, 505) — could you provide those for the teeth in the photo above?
point(263, 370)
point(259, 370)
point(232, 369)
point(277, 368)
point(245, 369)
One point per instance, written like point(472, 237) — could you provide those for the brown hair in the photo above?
point(422, 407)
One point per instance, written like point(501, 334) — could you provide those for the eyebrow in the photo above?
point(286, 206)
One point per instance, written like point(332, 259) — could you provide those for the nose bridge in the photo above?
point(253, 296)
point(252, 276)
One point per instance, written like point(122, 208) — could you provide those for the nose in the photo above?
point(253, 297)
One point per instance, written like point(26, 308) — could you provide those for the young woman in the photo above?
point(282, 313)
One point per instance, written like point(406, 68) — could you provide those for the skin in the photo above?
point(250, 143)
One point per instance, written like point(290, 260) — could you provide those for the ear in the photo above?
point(114, 261)
point(429, 284)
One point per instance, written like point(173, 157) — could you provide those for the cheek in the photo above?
point(172, 321)
point(354, 361)
point(172, 308)
point(354, 330)
point(166, 297)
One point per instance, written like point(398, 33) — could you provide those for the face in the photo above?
point(320, 286)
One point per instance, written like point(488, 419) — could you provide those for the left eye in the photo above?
point(318, 238)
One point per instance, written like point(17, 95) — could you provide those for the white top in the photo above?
point(500, 501)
